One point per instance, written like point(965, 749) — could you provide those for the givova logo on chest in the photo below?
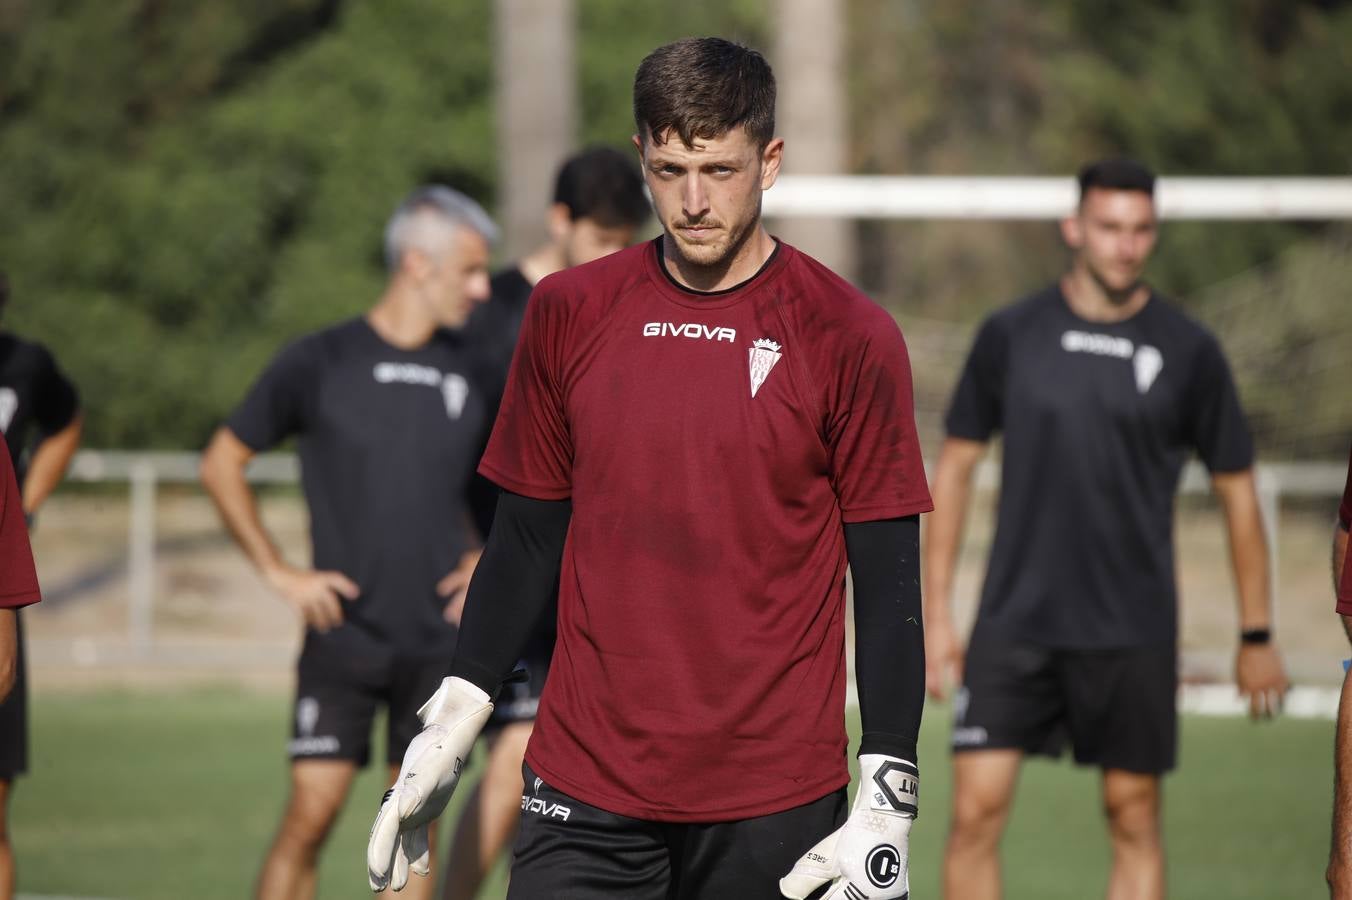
point(692, 330)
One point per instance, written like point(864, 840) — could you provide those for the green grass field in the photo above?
point(175, 795)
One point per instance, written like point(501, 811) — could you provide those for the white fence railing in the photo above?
point(145, 472)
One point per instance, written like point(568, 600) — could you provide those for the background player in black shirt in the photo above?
point(599, 206)
point(40, 419)
point(1101, 389)
point(389, 416)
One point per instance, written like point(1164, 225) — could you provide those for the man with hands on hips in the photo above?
point(389, 414)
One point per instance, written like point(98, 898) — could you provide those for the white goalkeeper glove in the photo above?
point(452, 719)
point(865, 859)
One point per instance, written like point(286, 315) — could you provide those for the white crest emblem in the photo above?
point(764, 354)
point(307, 716)
point(1147, 362)
point(961, 700)
point(455, 390)
point(538, 782)
point(9, 405)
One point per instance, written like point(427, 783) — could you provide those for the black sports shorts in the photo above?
point(1118, 708)
point(14, 717)
point(567, 850)
point(338, 692)
point(519, 700)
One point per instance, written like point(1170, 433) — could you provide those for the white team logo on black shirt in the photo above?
point(454, 387)
point(9, 405)
point(1146, 361)
point(764, 354)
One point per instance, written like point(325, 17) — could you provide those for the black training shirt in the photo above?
point(492, 330)
point(494, 325)
point(387, 440)
point(1098, 419)
point(34, 397)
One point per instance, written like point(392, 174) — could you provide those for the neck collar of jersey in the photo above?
point(678, 293)
point(1060, 289)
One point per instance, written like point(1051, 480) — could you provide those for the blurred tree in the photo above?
point(1191, 87)
point(186, 186)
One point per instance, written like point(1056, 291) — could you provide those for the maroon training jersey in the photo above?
point(712, 445)
point(1345, 517)
point(18, 579)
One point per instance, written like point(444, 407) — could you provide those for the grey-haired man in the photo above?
point(389, 418)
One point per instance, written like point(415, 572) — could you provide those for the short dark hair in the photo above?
point(1117, 174)
point(604, 185)
point(702, 88)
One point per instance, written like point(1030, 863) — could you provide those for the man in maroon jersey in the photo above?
point(1340, 855)
point(18, 587)
point(698, 433)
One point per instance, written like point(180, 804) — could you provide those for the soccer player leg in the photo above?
point(452, 719)
point(867, 856)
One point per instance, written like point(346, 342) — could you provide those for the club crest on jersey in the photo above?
point(764, 354)
point(1147, 364)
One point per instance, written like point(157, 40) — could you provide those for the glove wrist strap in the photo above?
point(893, 785)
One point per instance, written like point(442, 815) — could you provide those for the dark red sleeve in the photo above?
point(18, 578)
point(1344, 519)
point(531, 450)
point(875, 453)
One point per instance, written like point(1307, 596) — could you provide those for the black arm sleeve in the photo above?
point(889, 634)
point(512, 585)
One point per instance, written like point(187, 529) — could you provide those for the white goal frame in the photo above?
point(1000, 198)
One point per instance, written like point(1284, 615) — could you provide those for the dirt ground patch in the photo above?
point(214, 620)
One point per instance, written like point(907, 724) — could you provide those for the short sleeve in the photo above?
point(55, 400)
point(1216, 421)
point(18, 577)
point(531, 449)
point(875, 459)
point(977, 409)
point(279, 403)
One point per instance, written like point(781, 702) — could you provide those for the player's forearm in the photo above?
point(889, 634)
point(1340, 855)
point(226, 484)
point(943, 536)
point(9, 651)
point(1248, 548)
point(49, 463)
point(513, 583)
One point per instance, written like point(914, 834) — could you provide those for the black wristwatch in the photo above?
point(1256, 636)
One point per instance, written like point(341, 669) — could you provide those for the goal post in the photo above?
point(1044, 198)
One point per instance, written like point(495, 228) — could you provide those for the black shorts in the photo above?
point(1118, 708)
point(338, 692)
point(567, 850)
point(14, 717)
point(519, 700)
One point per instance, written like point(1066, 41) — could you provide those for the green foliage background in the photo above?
point(185, 186)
